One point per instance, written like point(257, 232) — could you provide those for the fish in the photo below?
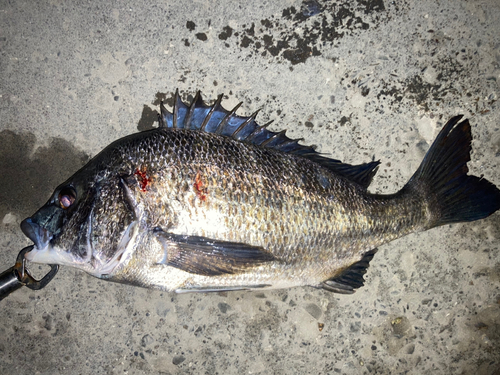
point(212, 201)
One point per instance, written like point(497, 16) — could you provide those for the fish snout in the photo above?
point(39, 235)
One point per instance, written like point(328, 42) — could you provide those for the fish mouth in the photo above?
point(43, 252)
point(40, 236)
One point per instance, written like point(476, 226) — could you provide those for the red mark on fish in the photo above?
point(142, 178)
point(199, 188)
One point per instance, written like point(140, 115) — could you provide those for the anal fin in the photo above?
point(351, 278)
point(209, 257)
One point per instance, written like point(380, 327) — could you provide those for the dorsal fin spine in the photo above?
point(244, 124)
point(259, 130)
point(161, 117)
point(176, 109)
point(189, 116)
point(273, 138)
point(211, 112)
point(225, 120)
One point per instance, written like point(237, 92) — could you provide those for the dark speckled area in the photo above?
point(303, 30)
point(359, 79)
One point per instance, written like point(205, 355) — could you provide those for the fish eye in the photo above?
point(67, 197)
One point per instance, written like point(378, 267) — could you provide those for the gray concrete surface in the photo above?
point(358, 79)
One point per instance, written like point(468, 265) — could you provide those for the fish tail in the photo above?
point(451, 195)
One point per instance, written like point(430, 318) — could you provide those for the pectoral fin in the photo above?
point(351, 278)
point(208, 257)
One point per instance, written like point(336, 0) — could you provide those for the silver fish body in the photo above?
point(211, 201)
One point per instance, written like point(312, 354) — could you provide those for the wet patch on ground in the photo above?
point(30, 173)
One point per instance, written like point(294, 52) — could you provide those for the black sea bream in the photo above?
point(211, 201)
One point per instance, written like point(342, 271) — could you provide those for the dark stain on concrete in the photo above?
point(448, 70)
point(163, 97)
point(421, 91)
point(202, 36)
point(30, 175)
point(190, 25)
point(320, 23)
point(226, 33)
point(391, 92)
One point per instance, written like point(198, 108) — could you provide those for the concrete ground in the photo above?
point(359, 79)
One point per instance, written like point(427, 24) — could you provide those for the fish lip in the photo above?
point(40, 236)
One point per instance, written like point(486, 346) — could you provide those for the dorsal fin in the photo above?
point(215, 119)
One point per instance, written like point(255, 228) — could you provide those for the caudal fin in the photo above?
point(442, 179)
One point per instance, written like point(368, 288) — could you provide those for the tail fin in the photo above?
point(442, 178)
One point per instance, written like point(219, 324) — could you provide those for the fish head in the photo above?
point(86, 223)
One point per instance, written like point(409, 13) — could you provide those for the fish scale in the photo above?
point(212, 201)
